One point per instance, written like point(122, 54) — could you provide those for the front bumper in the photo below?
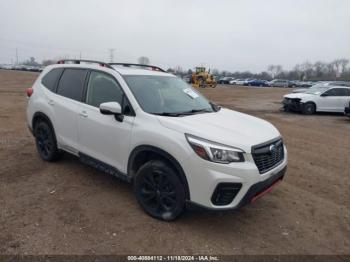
point(204, 177)
point(259, 189)
point(292, 105)
point(254, 192)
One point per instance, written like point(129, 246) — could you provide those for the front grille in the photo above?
point(268, 155)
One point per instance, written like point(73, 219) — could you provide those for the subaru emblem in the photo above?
point(272, 148)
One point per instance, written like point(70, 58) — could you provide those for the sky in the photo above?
point(233, 35)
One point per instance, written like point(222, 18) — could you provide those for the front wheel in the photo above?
point(309, 108)
point(159, 190)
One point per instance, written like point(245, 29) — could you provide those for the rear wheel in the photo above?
point(309, 109)
point(45, 141)
point(159, 190)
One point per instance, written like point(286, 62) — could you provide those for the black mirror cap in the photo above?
point(118, 117)
point(106, 112)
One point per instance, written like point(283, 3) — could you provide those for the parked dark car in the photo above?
point(282, 83)
point(225, 80)
point(303, 83)
point(257, 82)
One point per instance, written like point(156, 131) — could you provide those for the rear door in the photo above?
point(345, 99)
point(332, 101)
point(102, 136)
point(66, 102)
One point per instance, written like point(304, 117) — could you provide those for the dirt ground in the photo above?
point(69, 208)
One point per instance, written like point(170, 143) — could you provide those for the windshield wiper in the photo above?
point(167, 114)
point(199, 111)
point(215, 107)
point(186, 113)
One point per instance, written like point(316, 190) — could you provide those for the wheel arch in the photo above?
point(311, 102)
point(144, 153)
point(40, 115)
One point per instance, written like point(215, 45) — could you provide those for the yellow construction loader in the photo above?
point(202, 78)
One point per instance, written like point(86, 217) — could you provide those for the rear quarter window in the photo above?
point(50, 79)
point(71, 84)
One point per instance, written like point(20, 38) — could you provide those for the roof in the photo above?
point(137, 71)
point(123, 70)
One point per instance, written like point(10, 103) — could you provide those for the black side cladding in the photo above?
point(88, 160)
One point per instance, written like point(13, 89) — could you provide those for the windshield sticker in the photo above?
point(191, 93)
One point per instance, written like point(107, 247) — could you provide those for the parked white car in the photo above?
point(322, 98)
point(240, 82)
point(281, 83)
point(151, 128)
point(323, 84)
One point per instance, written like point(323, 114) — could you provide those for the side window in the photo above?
point(103, 88)
point(50, 79)
point(335, 92)
point(71, 84)
point(347, 91)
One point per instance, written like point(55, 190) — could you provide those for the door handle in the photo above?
point(83, 114)
point(51, 102)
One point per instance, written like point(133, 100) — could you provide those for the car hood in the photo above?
point(300, 90)
point(226, 127)
point(299, 95)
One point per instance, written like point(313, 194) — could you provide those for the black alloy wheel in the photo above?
point(309, 108)
point(159, 190)
point(46, 142)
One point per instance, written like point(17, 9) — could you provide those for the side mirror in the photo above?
point(112, 108)
point(324, 94)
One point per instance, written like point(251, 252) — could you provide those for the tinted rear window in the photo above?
point(50, 79)
point(72, 83)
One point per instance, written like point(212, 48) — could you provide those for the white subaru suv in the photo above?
point(148, 127)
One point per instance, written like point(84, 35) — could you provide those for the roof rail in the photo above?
point(78, 61)
point(154, 68)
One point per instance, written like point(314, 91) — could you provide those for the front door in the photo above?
point(332, 100)
point(102, 136)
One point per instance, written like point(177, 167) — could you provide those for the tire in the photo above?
point(309, 108)
point(159, 190)
point(45, 141)
point(201, 83)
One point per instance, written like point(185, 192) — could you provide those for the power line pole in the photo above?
point(16, 56)
point(111, 55)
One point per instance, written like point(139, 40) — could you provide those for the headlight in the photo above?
point(215, 152)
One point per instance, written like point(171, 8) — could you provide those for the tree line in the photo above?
point(338, 69)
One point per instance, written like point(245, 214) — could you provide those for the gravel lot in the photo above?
point(69, 208)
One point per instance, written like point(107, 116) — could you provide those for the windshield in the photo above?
point(320, 85)
point(166, 94)
point(316, 90)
